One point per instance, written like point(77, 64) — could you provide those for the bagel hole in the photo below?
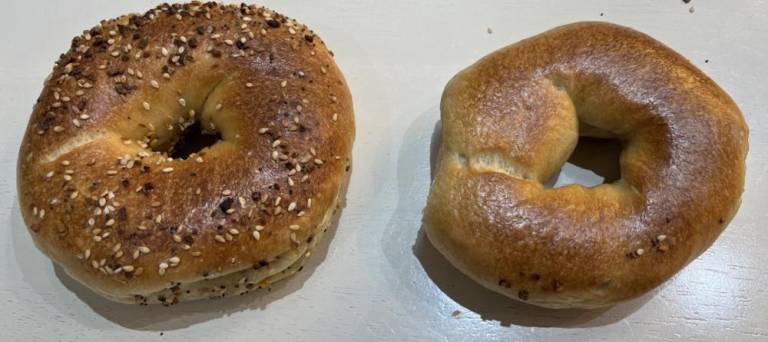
point(192, 139)
point(594, 161)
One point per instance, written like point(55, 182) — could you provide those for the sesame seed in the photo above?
point(230, 211)
point(318, 161)
point(73, 195)
point(309, 203)
point(291, 30)
point(234, 231)
point(111, 172)
point(196, 253)
point(301, 213)
point(174, 260)
point(229, 42)
point(154, 84)
point(176, 238)
point(67, 178)
point(335, 116)
point(128, 268)
point(162, 267)
point(220, 238)
point(639, 251)
point(199, 159)
point(226, 192)
point(292, 206)
point(168, 170)
point(164, 52)
point(259, 227)
point(283, 84)
point(293, 238)
point(256, 235)
point(276, 143)
point(263, 130)
point(49, 174)
point(146, 106)
point(661, 237)
point(144, 249)
point(294, 227)
point(182, 102)
point(87, 254)
point(275, 155)
point(58, 129)
point(249, 85)
point(109, 222)
point(218, 106)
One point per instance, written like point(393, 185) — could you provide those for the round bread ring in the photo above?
point(102, 196)
point(512, 119)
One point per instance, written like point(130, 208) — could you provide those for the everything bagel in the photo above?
point(194, 151)
point(512, 119)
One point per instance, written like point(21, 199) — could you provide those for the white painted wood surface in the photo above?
point(377, 278)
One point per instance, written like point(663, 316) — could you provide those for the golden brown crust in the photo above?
point(512, 119)
point(101, 197)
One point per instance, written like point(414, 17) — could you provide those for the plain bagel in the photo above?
point(192, 151)
point(512, 119)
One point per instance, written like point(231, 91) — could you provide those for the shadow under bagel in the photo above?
point(595, 156)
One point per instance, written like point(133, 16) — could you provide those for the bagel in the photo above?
point(192, 151)
point(512, 119)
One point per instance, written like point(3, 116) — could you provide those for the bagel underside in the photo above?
point(234, 283)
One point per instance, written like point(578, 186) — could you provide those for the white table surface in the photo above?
point(377, 277)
